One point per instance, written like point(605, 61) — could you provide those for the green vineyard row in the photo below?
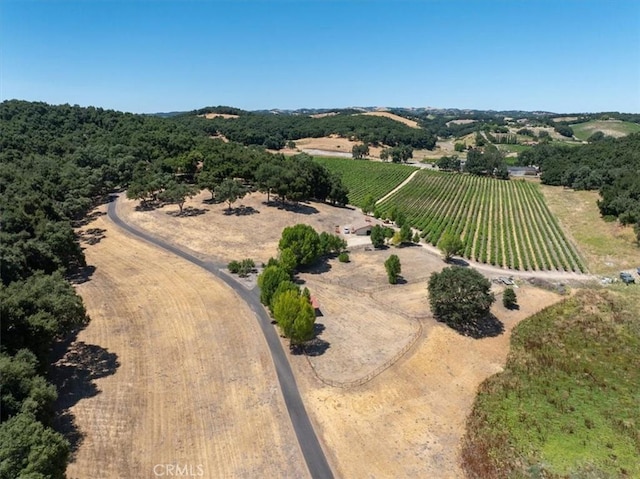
point(503, 223)
point(364, 177)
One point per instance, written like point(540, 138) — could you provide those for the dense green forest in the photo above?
point(273, 131)
point(56, 163)
point(611, 166)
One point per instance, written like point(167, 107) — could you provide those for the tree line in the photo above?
point(273, 131)
point(610, 166)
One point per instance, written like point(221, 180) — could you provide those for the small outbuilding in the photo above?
point(362, 229)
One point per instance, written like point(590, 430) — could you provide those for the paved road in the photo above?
point(309, 444)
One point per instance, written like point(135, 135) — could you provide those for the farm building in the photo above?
point(363, 229)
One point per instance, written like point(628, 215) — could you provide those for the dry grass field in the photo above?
point(209, 116)
point(407, 419)
point(251, 231)
point(606, 247)
point(342, 146)
point(386, 114)
point(332, 143)
point(192, 382)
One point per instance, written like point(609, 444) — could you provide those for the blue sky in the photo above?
point(162, 55)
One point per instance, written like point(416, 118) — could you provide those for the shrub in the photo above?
point(509, 299)
point(393, 267)
point(343, 257)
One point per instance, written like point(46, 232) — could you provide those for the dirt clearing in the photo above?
point(194, 383)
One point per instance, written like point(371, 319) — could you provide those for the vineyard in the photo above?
point(364, 177)
point(503, 223)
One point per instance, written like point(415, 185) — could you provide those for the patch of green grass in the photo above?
point(607, 246)
point(609, 127)
point(513, 148)
point(566, 404)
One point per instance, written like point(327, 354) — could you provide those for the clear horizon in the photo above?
point(170, 55)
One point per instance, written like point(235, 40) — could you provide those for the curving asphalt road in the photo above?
point(307, 439)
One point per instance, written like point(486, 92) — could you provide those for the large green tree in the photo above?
point(461, 297)
point(450, 244)
point(28, 449)
point(269, 280)
point(177, 193)
point(294, 315)
point(368, 204)
point(359, 151)
point(22, 388)
point(230, 190)
point(303, 241)
point(37, 311)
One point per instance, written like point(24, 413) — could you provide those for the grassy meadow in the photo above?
point(566, 404)
point(615, 128)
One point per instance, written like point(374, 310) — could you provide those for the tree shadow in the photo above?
point(77, 366)
point(477, 328)
point(300, 208)
point(188, 211)
point(211, 201)
point(458, 262)
point(82, 275)
point(400, 280)
point(88, 219)
point(91, 236)
point(241, 210)
point(316, 346)
point(317, 268)
point(149, 205)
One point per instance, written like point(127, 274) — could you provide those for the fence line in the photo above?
point(369, 376)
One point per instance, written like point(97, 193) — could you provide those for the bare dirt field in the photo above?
point(190, 380)
point(388, 388)
point(386, 114)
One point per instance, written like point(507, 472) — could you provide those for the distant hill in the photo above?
point(614, 128)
